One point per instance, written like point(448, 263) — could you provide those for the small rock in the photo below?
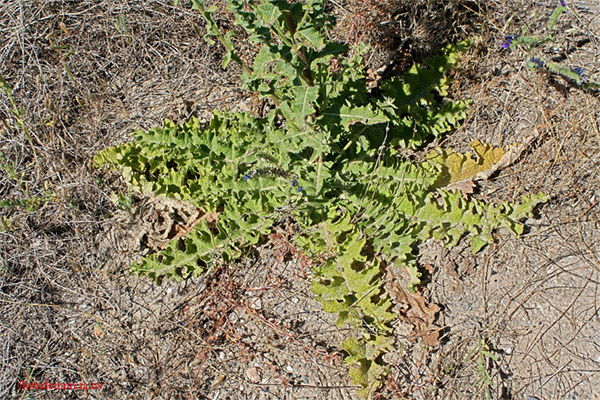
point(256, 304)
point(253, 374)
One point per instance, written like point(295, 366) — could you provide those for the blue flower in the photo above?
point(537, 61)
point(248, 176)
point(299, 189)
point(294, 182)
point(578, 70)
point(562, 3)
point(508, 42)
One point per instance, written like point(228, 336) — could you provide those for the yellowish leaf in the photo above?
point(457, 166)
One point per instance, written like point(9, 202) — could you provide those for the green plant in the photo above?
point(5, 224)
point(531, 43)
point(329, 155)
point(123, 202)
point(121, 27)
point(484, 358)
point(16, 123)
point(29, 202)
point(18, 113)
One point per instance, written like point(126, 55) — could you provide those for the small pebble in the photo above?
point(256, 304)
point(253, 374)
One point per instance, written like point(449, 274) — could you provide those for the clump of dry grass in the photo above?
point(83, 76)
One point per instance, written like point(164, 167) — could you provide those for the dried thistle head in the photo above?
point(371, 21)
point(386, 23)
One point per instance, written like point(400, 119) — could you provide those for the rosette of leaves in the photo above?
point(326, 155)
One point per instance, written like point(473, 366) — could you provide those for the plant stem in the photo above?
point(234, 56)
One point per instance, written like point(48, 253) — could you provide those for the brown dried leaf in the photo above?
point(465, 187)
point(515, 151)
point(211, 218)
point(217, 381)
point(413, 309)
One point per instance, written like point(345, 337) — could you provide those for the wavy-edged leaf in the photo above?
point(457, 166)
point(349, 115)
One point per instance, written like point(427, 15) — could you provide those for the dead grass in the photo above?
point(85, 74)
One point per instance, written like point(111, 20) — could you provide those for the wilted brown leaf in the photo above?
point(413, 309)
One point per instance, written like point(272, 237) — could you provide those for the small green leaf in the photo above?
point(304, 99)
point(554, 17)
point(263, 58)
point(349, 115)
point(226, 59)
point(311, 37)
point(268, 13)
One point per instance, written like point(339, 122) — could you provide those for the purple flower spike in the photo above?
point(508, 42)
point(562, 3)
point(537, 61)
point(578, 70)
